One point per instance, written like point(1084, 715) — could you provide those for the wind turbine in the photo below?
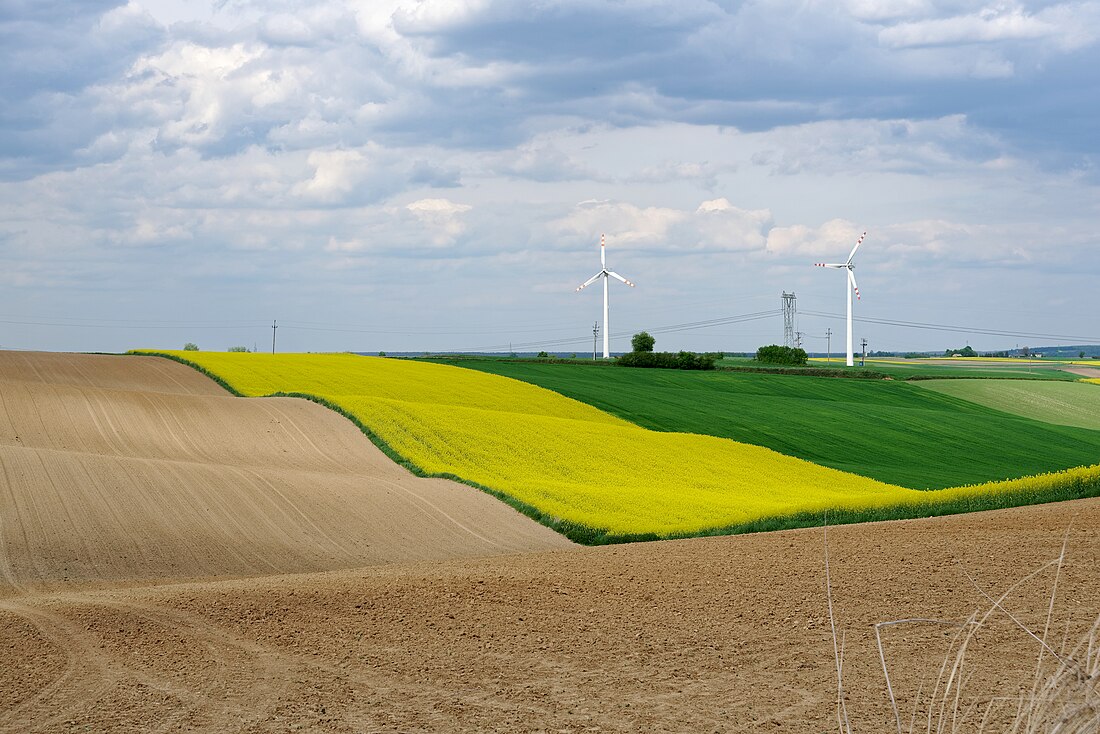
point(849, 287)
point(605, 274)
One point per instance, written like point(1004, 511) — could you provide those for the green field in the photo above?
point(892, 431)
point(1063, 403)
point(901, 369)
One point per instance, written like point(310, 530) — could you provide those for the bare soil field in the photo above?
point(704, 635)
point(138, 468)
point(1091, 372)
point(716, 634)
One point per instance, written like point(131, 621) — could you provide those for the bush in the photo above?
point(642, 342)
point(775, 354)
point(543, 354)
point(237, 349)
point(381, 354)
point(667, 360)
point(190, 347)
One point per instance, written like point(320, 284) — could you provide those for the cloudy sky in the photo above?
point(435, 175)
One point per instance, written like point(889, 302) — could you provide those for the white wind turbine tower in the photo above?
point(848, 288)
point(605, 274)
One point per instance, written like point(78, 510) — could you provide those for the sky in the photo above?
point(436, 175)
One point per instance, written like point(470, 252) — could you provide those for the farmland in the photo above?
point(891, 431)
point(116, 468)
point(174, 558)
point(907, 369)
point(587, 473)
point(1061, 403)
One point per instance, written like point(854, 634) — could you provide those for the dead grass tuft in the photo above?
point(1062, 698)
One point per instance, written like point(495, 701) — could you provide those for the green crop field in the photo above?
point(903, 369)
point(892, 431)
point(1063, 403)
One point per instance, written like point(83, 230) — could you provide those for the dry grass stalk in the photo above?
point(1062, 700)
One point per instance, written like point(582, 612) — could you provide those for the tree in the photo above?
point(642, 342)
point(381, 354)
point(668, 360)
point(190, 347)
point(543, 355)
point(237, 349)
point(775, 354)
point(1081, 355)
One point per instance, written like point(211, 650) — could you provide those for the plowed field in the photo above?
point(136, 468)
point(703, 635)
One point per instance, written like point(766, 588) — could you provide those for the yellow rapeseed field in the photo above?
point(563, 457)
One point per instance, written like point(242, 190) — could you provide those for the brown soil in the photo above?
point(704, 635)
point(1093, 372)
point(138, 468)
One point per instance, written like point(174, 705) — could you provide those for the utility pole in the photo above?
point(829, 343)
point(863, 358)
point(595, 337)
point(274, 326)
point(789, 310)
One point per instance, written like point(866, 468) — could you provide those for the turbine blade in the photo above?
point(853, 252)
point(830, 265)
point(603, 248)
point(615, 275)
point(852, 280)
point(590, 281)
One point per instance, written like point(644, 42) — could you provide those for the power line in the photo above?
point(959, 329)
point(673, 328)
point(135, 326)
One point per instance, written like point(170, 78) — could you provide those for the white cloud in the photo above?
point(436, 15)
point(925, 244)
point(835, 238)
point(702, 173)
point(714, 226)
point(854, 145)
point(540, 161)
point(1068, 25)
point(442, 218)
point(882, 10)
point(336, 173)
point(301, 153)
